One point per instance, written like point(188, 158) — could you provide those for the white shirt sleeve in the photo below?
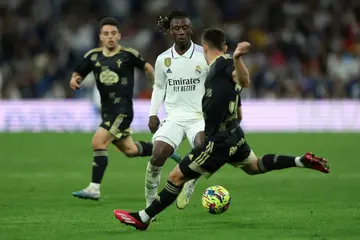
point(159, 89)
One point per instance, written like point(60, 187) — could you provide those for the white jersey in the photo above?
point(179, 82)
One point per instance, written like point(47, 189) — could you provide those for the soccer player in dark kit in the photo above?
point(113, 66)
point(224, 139)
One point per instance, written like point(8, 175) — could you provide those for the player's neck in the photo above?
point(181, 50)
point(111, 52)
point(212, 56)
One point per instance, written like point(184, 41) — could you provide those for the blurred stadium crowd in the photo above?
point(301, 49)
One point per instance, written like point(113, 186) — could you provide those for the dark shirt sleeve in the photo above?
point(229, 70)
point(137, 59)
point(84, 67)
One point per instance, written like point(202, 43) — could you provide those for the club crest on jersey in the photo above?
point(167, 62)
point(198, 69)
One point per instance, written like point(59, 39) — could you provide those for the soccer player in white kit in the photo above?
point(180, 74)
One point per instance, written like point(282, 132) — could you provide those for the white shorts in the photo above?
point(173, 132)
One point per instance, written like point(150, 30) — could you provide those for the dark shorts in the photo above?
point(118, 124)
point(207, 160)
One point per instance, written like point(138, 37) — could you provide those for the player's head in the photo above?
point(109, 32)
point(179, 26)
point(213, 40)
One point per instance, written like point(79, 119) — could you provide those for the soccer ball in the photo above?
point(216, 199)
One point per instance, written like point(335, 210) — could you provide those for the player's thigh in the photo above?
point(194, 133)
point(169, 132)
point(101, 138)
point(204, 161)
point(244, 158)
point(118, 125)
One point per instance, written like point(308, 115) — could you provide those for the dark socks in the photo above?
point(270, 162)
point(145, 148)
point(99, 165)
point(164, 199)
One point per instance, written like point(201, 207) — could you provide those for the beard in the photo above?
point(183, 44)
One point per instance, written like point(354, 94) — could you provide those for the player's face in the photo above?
point(110, 36)
point(181, 30)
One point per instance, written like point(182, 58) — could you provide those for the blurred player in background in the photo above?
point(225, 140)
point(113, 67)
point(180, 74)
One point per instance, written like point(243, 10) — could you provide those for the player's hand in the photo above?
point(75, 82)
point(154, 123)
point(241, 49)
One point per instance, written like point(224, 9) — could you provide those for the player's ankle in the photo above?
point(95, 186)
point(298, 162)
point(142, 216)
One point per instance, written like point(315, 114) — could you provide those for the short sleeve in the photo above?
point(136, 58)
point(84, 67)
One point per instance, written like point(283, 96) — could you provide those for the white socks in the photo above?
point(144, 217)
point(152, 181)
point(298, 162)
point(95, 186)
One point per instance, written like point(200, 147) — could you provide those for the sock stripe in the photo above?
point(172, 188)
point(100, 153)
point(140, 148)
point(261, 166)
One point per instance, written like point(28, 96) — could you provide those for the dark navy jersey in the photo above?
point(114, 76)
point(221, 100)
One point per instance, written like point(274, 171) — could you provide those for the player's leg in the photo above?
point(124, 142)
point(196, 137)
point(271, 162)
point(132, 149)
point(100, 141)
point(205, 161)
point(166, 139)
point(252, 165)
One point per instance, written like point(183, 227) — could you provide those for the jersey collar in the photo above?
point(189, 53)
point(214, 60)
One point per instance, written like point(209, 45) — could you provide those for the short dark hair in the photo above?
point(215, 38)
point(109, 21)
point(163, 23)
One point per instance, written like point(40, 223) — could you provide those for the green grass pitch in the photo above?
point(38, 172)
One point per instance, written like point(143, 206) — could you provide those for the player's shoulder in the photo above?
point(224, 61)
point(164, 54)
point(164, 57)
point(130, 50)
point(198, 50)
point(93, 51)
point(199, 56)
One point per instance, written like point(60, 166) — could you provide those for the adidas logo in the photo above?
point(97, 64)
point(168, 71)
point(126, 218)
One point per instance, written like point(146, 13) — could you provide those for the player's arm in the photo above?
point(149, 71)
point(140, 63)
point(157, 97)
point(241, 73)
point(81, 71)
point(239, 110)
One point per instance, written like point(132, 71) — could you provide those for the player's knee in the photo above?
point(158, 159)
point(176, 178)
point(199, 140)
point(160, 153)
point(251, 172)
point(252, 168)
point(98, 143)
